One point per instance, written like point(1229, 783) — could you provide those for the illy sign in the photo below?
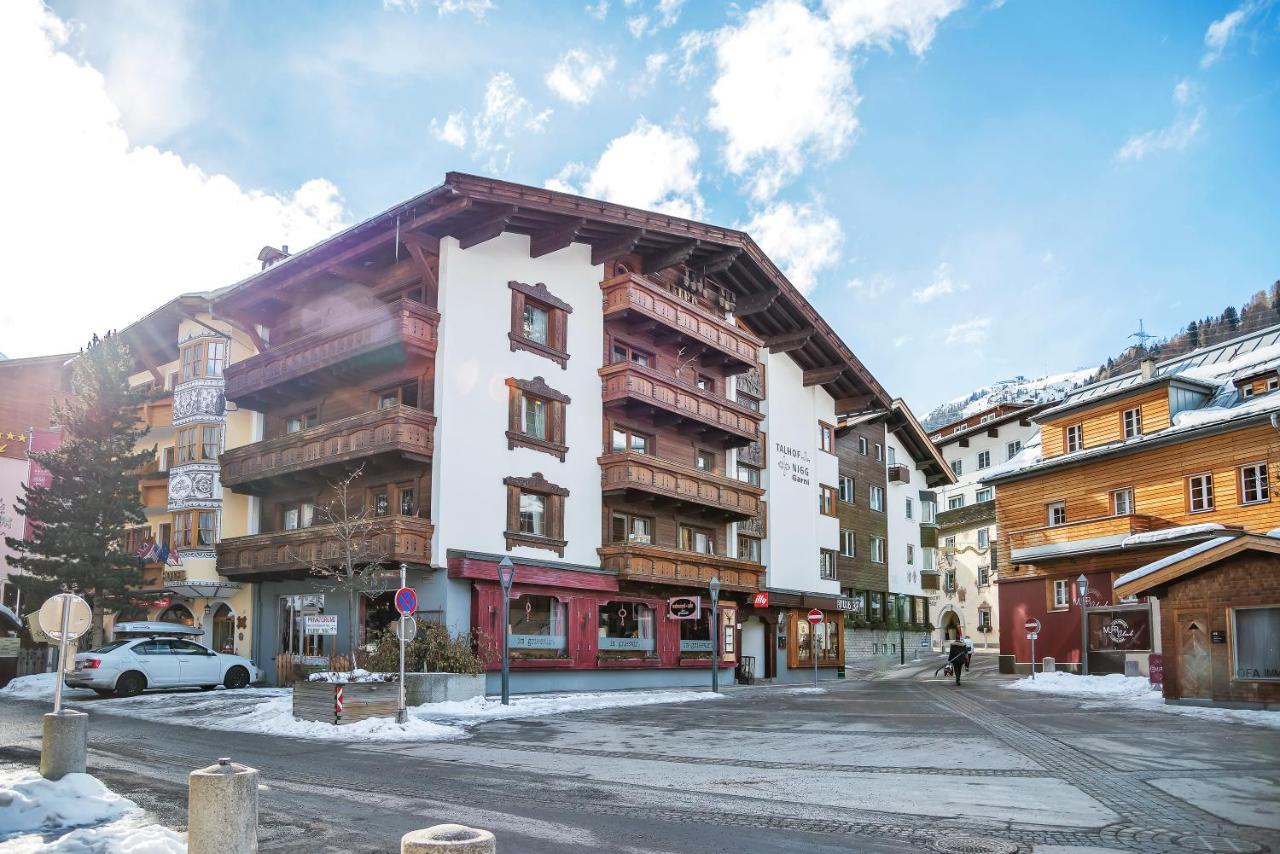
point(760, 600)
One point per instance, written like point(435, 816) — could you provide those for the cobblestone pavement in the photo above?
point(904, 762)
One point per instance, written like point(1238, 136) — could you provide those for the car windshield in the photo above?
point(109, 647)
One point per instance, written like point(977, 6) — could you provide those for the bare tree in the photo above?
point(352, 555)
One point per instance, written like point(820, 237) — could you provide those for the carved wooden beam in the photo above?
point(554, 237)
point(788, 342)
point(417, 251)
point(719, 263)
point(824, 375)
point(355, 273)
point(486, 229)
point(429, 243)
point(755, 303)
point(677, 254)
point(601, 252)
point(857, 403)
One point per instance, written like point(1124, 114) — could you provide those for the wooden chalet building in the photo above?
point(1126, 472)
point(625, 403)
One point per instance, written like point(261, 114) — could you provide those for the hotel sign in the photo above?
point(793, 462)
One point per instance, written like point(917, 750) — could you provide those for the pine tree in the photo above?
point(1231, 318)
point(80, 518)
point(1193, 334)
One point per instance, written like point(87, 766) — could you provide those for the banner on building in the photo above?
point(1120, 629)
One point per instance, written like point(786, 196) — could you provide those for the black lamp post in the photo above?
point(715, 633)
point(1082, 587)
point(506, 573)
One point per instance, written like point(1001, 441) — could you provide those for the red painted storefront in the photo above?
point(1059, 637)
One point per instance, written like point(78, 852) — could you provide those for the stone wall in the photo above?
point(862, 644)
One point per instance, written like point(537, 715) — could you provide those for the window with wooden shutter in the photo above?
point(539, 322)
point(535, 513)
point(536, 417)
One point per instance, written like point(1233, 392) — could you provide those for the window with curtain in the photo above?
point(537, 625)
point(625, 627)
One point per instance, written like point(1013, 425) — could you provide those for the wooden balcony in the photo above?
point(899, 473)
point(1085, 529)
point(701, 332)
point(647, 478)
point(930, 579)
point(666, 565)
point(389, 435)
point(665, 400)
point(399, 539)
point(340, 355)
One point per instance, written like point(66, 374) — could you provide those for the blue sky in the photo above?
point(968, 191)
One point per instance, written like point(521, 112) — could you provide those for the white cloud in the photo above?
point(578, 74)
point(901, 340)
point(599, 11)
point(880, 22)
point(802, 239)
point(971, 332)
point(650, 167)
point(870, 288)
point(654, 64)
point(784, 94)
point(503, 113)
point(669, 11)
point(1222, 31)
point(691, 46)
point(135, 225)
point(1175, 137)
point(476, 8)
point(942, 284)
point(639, 25)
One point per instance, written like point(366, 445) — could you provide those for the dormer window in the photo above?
point(1132, 419)
point(1074, 438)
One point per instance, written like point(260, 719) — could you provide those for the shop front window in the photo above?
point(695, 637)
point(1256, 632)
point(824, 637)
point(626, 627)
point(537, 625)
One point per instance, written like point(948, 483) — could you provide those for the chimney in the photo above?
point(271, 255)
point(1148, 367)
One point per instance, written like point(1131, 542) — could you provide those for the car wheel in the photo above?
point(237, 677)
point(130, 684)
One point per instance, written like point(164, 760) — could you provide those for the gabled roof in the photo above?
point(473, 209)
point(913, 437)
point(946, 434)
point(1160, 573)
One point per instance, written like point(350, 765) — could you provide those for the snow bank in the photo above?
point(342, 677)
point(126, 836)
point(539, 705)
point(275, 717)
point(1114, 691)
point(40, 687)
point(1170, 533)
point(28, 802)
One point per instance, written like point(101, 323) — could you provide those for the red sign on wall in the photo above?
point(760, 600)
point(1155, 666)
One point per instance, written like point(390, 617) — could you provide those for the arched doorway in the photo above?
point(951, 628)
point(224, 629)
point(179, 614)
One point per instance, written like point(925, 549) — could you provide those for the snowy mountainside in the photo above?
point(1019, 389)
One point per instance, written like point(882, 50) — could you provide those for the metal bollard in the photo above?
point(448, 839)
point(222, 809)
point(64, 744)
point(1049, 665)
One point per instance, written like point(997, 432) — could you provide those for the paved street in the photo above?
point(903, 763)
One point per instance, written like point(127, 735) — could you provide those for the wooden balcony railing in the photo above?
point(930, 579)
point(710, 493)
point(1085, 529)
point(397, 539)
point(666, 565)
point(899, 473)
point(631, 295)
point(401, 430)
point(367, 342)
point(629, 384)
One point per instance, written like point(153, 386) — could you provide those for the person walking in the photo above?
point(968, 653)
point(955, 656)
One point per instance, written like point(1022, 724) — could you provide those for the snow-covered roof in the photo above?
point(1174, 533)
point(1212, 368)
point(1157, 565)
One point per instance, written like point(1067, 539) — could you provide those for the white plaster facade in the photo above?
point(903, 508)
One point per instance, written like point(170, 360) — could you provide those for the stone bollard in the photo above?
point(222, 809)
point(1050, 665)
point(64, 744)
point(448, 839)
point(1131, 668)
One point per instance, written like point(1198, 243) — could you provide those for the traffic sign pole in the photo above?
point(1033, 655)
point(62, 654)
point(402, 714)
point(814, 617)
point(1032, 625)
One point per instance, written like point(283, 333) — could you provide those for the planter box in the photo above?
point(314, 701)
point(422, 688)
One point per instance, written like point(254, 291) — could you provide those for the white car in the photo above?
point(158, 655)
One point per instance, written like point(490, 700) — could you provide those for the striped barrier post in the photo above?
point(337, 703)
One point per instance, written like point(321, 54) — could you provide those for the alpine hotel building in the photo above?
point(625, 403)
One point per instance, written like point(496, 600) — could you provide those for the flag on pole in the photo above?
point(162, 553)
point(175, 558)
point(144, 549)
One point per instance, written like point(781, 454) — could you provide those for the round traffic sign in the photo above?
point(814, 616)
point(79, 616)
point(1032, 624)
point(407, 629)
point(406, 601)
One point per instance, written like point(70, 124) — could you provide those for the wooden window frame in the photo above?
point(650, 440)
point(303, 417)
point(555, 444)
point(738, 471)
point(197, 365)
point(699, 454)
point(631, 352)
point(826, 437)
point(704, 383)
point(1066, 438)
point(1213, 504)
point(630, 517)
point(282, 510)
point(398, 390)
point(536, 484)
point(1132, 501)
point(197, 444)
point(759, 545)
point(827, 557)
point(556, 349)
point(826, 500)
point(1266, 491)
point(1136, 412)
point(911, 554)
point(187, 536)
point(1048, 514)
point(711, 537)
point(1050, 600)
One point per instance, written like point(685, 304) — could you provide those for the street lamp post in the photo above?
point(902, 633)
point(1082, 587)
point(506, 573)
point(715, 633)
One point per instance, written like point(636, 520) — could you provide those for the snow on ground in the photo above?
point(270, 710)
point(1114, 690)
point(75, 814)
